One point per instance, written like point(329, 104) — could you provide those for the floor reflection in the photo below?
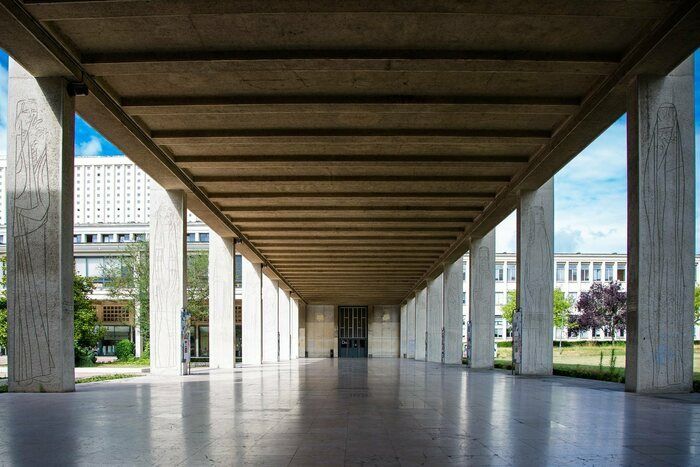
point(350, 411)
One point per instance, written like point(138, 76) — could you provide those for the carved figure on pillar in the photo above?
point(30, 208)
point(663, 179)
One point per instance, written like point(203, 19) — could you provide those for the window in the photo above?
point(123, 238)
point(608, 272)
point(77, 239)
point(238, 270)
point(499, 272)
point(500, 298)
point(204, 237)
point(597, 271)
point(573, 296)
point(560, 272)
point(573, 272)
point(91, 266)
point(585, 272)
point(140, 237)
point(190, 238)
point(510, 272)
point(115, 314)
point(621, 272)
point(108, 238)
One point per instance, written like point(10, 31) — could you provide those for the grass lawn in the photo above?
point(93, 379)
point(135, 363)
point(584, 361)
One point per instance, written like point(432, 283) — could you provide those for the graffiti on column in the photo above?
point(663, 203)
point(167, 302)
point(32, 359)
point(537, 261)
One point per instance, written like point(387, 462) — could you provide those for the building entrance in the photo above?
point(352, 331)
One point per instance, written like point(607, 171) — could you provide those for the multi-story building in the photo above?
point(574, 273)
point(112, 209)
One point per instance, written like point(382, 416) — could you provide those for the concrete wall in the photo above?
point(384, 330)
point(321, 330)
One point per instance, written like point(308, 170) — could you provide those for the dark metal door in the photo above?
point(352, 331)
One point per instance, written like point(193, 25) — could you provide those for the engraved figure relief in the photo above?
point(481, 278)
point(537, 263)
point(166, 306)
point(32, 360)
point(663, 203)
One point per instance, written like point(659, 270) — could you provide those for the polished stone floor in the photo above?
point(349, 412)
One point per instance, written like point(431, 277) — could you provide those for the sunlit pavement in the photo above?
point(335, 412)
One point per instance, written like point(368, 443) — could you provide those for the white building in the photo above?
point(573, 273)
point(112, 207)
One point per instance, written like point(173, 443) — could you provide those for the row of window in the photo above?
point(576, 272)
point(193, 237)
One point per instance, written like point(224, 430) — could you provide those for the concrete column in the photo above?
point(661, 232)
point(251, 328)
point(40, 130)
point(294, 329)
point(138, 339)
point(452, 307)
point(284, 320)
point(411, 328)
point(222, 302)
point(168, 278)
point(403, 348)
point(535, 279)
point(434, 320)
point(482, 296)
point(270, 323)
point(421, 325)
point(301, 307)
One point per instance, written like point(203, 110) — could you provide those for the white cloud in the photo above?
point(91, 147)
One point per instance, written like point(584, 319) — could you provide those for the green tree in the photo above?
point(561, 307)
point(126, 278)
point(697, 304)
point(508, 310)
point(198, 285)
point(86, 330)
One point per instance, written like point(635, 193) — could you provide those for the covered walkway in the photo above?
point(347, 412)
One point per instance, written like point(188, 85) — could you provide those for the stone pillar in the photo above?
point(434, 320)
point(411, 328)
point(661, 232)
point(251, 328)
point(168, 278)
point(421, 326)
point(301, 307)
point(285, 321)
point(222, 301)
point(453, 321)
point(535, 281)
point(270, 322)
point(403, 348)
point(294, 329)
point(138, 339)
point(40, 130)
point(482, 293)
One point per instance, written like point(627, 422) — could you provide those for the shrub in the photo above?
point(124, 350)
point(84, 357)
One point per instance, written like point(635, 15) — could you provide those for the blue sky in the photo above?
point(589, 193)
